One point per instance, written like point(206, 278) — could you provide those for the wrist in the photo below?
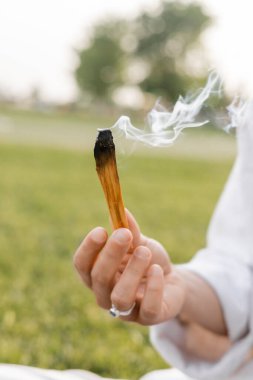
point(176, 278)
point(201, 304)
point(186, 280)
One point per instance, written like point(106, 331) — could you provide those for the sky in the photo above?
point(38, 39)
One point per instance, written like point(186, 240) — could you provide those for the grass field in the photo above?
point(49, 198)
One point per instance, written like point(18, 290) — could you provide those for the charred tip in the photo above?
point(104, 146)
point(105, 138)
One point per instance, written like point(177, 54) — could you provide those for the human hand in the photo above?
point(128, 268)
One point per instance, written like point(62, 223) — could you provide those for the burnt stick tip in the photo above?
point(104, 147)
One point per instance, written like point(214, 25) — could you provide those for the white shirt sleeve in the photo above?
point(227, 266)
point(232, 282)
point(19, 372)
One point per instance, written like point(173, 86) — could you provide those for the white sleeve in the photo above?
point(232, 282)
point(19, 372)
point(227, 265)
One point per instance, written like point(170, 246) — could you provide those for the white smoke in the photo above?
point(163, 127)
point(236, 112)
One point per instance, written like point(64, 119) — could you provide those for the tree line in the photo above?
point(160, 52)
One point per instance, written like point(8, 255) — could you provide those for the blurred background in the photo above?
point(66, 69)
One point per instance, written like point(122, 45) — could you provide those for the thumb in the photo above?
point(134, 228)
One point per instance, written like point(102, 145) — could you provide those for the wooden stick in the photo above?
point(106, 166)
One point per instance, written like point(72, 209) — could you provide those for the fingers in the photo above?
point(87, 252)
point(107, 264)
point(120, 278)
point(98, 259)
point(151, 305)
point(124, 293)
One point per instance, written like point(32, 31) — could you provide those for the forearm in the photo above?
point(204, 344)
point(201, 304)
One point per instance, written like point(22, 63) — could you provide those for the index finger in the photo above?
point(87, 252)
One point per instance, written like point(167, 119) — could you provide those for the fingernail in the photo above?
point(98, 235)
point(122, 235)
point(155, 270)
point(142, 252)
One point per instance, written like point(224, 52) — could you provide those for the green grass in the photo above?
point(49, 199)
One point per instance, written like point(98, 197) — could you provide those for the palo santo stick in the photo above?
point(104, 153)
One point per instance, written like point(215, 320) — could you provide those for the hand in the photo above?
point(128, 268)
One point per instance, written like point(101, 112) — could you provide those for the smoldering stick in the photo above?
point(106, 166)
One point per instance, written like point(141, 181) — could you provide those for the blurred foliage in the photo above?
point(49, 199)
point(100, 63)
point(164, 42)
point(155, 51)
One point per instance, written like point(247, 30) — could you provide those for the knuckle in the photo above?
point(154, 288)
point(111, 254)
point(149, 314)
point(99, 280)
point(96, 278)
point(136, 271)
point(102, 302)
point(119, 244)
point(120, 303)
point(137, 268)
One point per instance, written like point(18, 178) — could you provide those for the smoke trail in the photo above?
point(236, 113)
point(164, 127)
